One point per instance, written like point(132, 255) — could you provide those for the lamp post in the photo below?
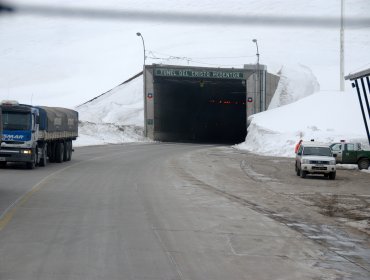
point(139, 34)
point(258, 55)
point(258, 76)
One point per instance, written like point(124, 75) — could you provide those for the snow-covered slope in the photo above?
point(123, 105)
point(114, 117)
point(64, 62)
point(324, 116)
point(296, 82)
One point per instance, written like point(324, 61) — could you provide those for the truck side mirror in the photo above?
point(37, 119)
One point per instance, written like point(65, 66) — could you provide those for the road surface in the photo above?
point(177, 211)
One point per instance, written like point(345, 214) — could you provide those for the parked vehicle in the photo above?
point(31, 134)
point(351, 153)
point(315, 158)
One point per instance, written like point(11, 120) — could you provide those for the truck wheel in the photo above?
point(69, 151)
point(51, 152)
point(32, 164)
point(332, 175)
point(363, 163)
point(303, 174)
point(2, 164)
point(43, 159)
point(66, 151)
point(59, 152)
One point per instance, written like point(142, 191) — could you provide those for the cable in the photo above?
point(182, 17)
point(211, 57)
point(192, 60)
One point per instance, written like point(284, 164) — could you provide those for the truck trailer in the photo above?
point(36, 134)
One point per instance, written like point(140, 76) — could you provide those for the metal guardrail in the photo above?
point(361, 81)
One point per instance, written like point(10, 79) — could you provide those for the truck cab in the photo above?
point(340, 148)
point(351, 153)
point(20, 133)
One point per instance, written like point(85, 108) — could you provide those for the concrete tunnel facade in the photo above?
point(196, 104)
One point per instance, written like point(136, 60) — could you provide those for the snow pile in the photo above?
point(108, 133)
point(114, 117)
point(295, 83)
point(324, 116)
point(122, 105)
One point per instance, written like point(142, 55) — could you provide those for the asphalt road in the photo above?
point(175, 211)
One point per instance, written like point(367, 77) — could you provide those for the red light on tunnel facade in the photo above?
point(226, 102)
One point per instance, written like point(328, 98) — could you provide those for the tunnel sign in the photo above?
point(150, 95)
point(192, 73)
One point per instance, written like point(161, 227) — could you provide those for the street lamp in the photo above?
point(258, 55)
point(139, 34)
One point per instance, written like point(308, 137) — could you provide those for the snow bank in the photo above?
point(324, 116)
point(114, 117)
point(296, 82)
point(122, 105)
point(108, 133)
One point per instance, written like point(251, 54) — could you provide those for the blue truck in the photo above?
point(36, 134)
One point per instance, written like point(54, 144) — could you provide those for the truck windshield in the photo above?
point(317, 151)
point(16, 121)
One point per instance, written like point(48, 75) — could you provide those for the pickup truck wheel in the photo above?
point(332, 175)
point(363, 163)
point(303, 174)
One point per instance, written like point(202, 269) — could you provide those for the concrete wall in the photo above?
point(261, 87)
point(148, 102)
point(272, 82)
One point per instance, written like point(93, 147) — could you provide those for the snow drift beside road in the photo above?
point(114, 117)
point(324, 116)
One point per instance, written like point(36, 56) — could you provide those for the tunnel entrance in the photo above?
point(201, 105)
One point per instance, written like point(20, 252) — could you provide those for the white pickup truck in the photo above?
point(315, 158)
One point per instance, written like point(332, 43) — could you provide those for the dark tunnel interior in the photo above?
point(200, 110)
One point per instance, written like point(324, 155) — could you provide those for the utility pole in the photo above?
point(258, 77)
point(342, 46)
